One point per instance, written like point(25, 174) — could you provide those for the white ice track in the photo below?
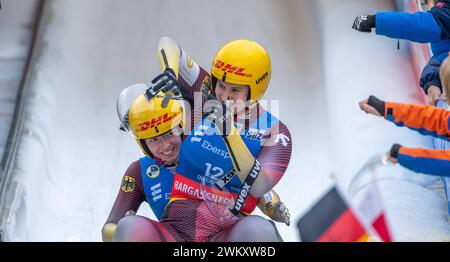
point(72, 155)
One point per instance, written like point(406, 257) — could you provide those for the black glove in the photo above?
point(378, 104)
point(394, 150)
point(219, 113)
point(364, 23)
point(164, 82)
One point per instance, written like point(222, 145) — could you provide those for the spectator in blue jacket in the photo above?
point(423, 27)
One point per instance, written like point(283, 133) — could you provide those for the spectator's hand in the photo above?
point(434, 94)
point(364, 105)
point(391, 159)
point(364, 23)
point(393, 153)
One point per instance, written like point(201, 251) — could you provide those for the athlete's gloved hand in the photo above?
point(364, 23)
point(219, 113)
point(166, 81)
point(279, 212)
point(271, 205)
point(109, 229)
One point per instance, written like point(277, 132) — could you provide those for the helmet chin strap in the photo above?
point(213, 85)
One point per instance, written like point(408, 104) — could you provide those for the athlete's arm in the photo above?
point(271, 163)
point(169, 54)
point(130, 196)
point(259, 174)
point(274, 157)
point(189, 74)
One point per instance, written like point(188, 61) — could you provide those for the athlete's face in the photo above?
point(236, 93)
point(165, 147)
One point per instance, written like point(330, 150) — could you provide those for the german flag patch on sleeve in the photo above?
point(128, 184)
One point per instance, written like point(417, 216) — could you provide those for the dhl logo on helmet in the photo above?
point(229, 68)
point(162, 119)
point(156, 122)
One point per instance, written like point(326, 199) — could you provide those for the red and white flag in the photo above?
point(368, 205)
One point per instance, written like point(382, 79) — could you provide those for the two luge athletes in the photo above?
point(245, 164)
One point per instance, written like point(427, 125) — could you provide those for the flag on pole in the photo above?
point(369, 207)
point(332, 220)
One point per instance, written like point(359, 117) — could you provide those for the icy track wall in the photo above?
point(72, 156)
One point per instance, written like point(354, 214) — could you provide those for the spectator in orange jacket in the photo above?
point(427, 120)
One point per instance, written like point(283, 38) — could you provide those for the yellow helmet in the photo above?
point(149, 119)
point(243, 62)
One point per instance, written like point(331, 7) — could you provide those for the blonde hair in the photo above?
point(444, 75)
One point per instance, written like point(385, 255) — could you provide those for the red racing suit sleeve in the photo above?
point(131, 194)
point(427, 161)
point(191, 75)
point(192, 78)
point(427, 120)
point(274, 157)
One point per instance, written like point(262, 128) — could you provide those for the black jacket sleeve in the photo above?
point(430, 75)
point(441, 13)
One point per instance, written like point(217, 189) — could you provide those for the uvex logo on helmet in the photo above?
point(259, 80)
point(156, 121)
point(231, 69)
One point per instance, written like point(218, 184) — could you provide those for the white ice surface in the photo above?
point(72, 155)
point(16, 31)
